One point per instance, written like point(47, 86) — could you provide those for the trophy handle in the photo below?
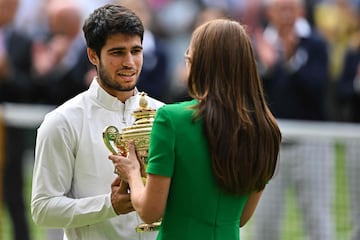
point(110, 134)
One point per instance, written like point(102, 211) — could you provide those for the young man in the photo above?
point(73, 182)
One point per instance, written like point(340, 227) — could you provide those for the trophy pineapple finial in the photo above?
point(143, 101)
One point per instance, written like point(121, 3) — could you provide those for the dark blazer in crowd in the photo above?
point(17, 85)
point(296, 89)
point(154, 75)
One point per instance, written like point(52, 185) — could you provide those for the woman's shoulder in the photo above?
point(177, 111)
point(179, 106)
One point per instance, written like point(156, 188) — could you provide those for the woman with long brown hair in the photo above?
point(209, 158)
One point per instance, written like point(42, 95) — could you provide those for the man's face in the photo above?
point(120, 63)
point(283, 14)
point(8, 10)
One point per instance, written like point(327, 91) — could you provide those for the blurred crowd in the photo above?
point(53, 65)
point(308, 56)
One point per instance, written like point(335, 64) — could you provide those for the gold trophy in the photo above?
point(139, 132)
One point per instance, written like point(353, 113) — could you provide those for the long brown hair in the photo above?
point(243, 135)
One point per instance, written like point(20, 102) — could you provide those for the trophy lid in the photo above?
point(139, 131)
point(144, 118)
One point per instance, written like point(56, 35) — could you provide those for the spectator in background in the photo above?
point(180, 84)
point(327, 16)
point(174, 22)
point(348, 97)
point(33, 21)
point(294, 60)
point(61, 67)
point(15, 87)
point(252, 16)
point(154, 77)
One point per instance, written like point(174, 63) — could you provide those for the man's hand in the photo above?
point(120, 197)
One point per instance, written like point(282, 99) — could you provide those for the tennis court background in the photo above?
point(345, 136)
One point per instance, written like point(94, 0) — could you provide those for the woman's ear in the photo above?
point(93, 58)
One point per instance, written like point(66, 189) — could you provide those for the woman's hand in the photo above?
point(126, 167)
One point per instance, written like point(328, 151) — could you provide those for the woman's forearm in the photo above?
point(137, 191)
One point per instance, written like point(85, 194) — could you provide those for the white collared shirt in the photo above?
point(72, 174)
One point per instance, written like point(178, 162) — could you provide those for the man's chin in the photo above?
point(126, 88)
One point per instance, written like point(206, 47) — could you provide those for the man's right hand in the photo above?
point(120, 197)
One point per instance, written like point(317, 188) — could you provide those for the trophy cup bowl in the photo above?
point(139, 132)
point(117, 142)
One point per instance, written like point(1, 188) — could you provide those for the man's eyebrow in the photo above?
point(124, 48)
point(137, 47)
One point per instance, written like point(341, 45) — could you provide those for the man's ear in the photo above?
point(93, 58)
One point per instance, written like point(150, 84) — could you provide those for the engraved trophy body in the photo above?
point(139, 132)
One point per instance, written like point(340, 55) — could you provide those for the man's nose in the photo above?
point(128, 60)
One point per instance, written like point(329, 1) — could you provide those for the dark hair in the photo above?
point(108, 20)
point(243, 135)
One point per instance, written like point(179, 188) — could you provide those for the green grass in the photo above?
point(341, 201)
point(292, 229)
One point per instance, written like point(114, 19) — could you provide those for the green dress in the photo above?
point(196, 207)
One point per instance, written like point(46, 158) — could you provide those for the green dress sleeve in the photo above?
point(162, 142)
